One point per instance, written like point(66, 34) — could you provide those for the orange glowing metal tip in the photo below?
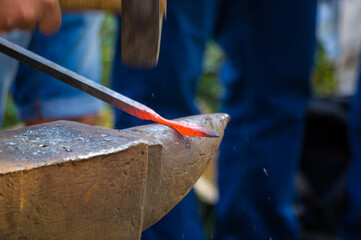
point(107, 95)
point(143, 112)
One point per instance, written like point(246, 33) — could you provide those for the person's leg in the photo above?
point(351, 222)
point(270, 46)
point(170, 90)
point(182, 222)
point(170, 87)
point(8, 68)
point(76, 46)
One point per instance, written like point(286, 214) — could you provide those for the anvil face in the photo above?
point(65, 180)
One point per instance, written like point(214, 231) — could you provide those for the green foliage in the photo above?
point(108, 35)
point(210, 89)
point(323, 77)
point(11, 118)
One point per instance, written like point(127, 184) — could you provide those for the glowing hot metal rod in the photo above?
point(101, 92)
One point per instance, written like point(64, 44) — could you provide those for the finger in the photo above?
point(4, 32)
point(23, 24)
point(26, 16)
point(6, 24)
point(27, 26)
point(51, 20)
point(4, 29)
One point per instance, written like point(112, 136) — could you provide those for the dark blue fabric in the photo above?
point(269, 47)
point(270, 57)
point(169, 88)
point(182, 222)
point(351, 222)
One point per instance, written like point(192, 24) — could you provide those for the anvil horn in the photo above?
point(66, 180)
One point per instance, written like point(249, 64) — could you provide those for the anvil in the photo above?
point(66, 180)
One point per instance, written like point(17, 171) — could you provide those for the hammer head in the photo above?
point(141, 26)
point(141, 30)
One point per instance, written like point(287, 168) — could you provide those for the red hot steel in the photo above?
point(99, 91)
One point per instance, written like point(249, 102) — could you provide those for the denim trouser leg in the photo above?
point(170, 87)
point(267, 77)
point(8, 68)
point(351, 222)
point(75, 46)
point(170, 90)
point(270, 50)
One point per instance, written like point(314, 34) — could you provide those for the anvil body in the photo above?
point(65, 180)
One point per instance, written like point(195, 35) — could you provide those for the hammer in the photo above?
point(141, 26)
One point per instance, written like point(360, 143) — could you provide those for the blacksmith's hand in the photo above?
point(29, 14)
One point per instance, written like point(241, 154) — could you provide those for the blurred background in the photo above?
point(209, 90)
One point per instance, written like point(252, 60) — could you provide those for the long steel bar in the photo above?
point(99, 91)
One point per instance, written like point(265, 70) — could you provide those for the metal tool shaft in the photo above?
point(97, 90)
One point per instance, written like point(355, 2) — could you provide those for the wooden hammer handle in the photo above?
point(106, 5)
point(79, 5)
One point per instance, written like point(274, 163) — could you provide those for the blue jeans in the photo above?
point(170, 90)
point(351, 222)
point(269, 47)
point(77, 47)
point(269, 62)
point(9, 67)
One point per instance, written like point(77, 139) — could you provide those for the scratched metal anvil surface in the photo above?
point(65, 180)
